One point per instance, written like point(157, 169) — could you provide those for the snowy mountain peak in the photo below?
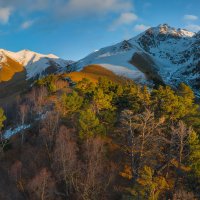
point(161, 53)
point(165, 29)
point(34, 63)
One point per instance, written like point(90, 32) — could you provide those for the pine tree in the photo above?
point(166, 103)
point(145, 96)
point(190, 110)
point(2, 141)
point(186, 92)
point(105, 84)
point(150, 186)
point(89, 125)
point(85, 86)
point(101, 100)
point(48, 82)
point(194, 157)
point(71, 103)
point(2, 118)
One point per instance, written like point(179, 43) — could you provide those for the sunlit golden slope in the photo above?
point(9, 68)
point(94, 72)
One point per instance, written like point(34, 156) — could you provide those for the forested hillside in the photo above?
point(101, 140)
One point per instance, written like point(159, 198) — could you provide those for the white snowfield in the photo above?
point(115, 59)
point(34, 63)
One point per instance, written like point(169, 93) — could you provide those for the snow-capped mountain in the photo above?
point(162, 53)
point(33, 63)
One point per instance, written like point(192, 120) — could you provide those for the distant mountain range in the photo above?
point(161, 54)
point(34, 64)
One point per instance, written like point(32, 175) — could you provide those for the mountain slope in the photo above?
point(93, 73)
point(33, 63)
point(162, 54)
point(8, 67)
point(18, 70)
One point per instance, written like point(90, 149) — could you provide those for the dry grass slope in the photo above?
point(11, 89)
point(93, 73)
point(9, 69)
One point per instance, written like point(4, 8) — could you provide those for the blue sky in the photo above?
point(72, 29)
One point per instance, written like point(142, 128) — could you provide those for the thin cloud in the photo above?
point(70, 8)
point(5, 14)
point(58, 11)
point(27, 5)
point(27, 24)
point(193, 27)
point(141, 27)
point(81, 8)
point(147, 5)
point(124, 19)
point(190, 17)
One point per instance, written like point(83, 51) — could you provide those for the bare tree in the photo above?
point(181, 194)
point(50, 129)
point(42, 185)
point(16, 170)
point(96, 174)
point(31, 99)
point(23, 113)
point(86, 174)
point(143, 133)
point(16, 174)
point(37, 98)
point(179, 139)
point(179, 135)
point(66, 163)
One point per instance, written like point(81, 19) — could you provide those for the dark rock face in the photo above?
point(126, 45)
point(179, 48)
point(145, 64)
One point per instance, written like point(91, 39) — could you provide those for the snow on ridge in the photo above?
point(35, 63)
point(187, 33)
point(166, 29)
point(173, 51)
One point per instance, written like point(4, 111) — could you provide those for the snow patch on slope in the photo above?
point(115, 58)
point(11, 132)
point(125, 72)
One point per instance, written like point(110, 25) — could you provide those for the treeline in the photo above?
point(106, 140)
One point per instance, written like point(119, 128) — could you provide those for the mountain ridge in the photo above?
point(173, 57)
point(161, 54)
point(35, 64)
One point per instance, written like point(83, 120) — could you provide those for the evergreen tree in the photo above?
point(150, 187)
point(3, 142)
point(189, 109)
point(108, 119)
point(2, 118)
point(119, 90)
point(106, 85)
point(166, 103)
point(194, 157)
point(48, 82)
point(89, 125)
point(102, 101)
point(71, 103)
point(145, 96)
point(85, 86)
point(186, 92)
